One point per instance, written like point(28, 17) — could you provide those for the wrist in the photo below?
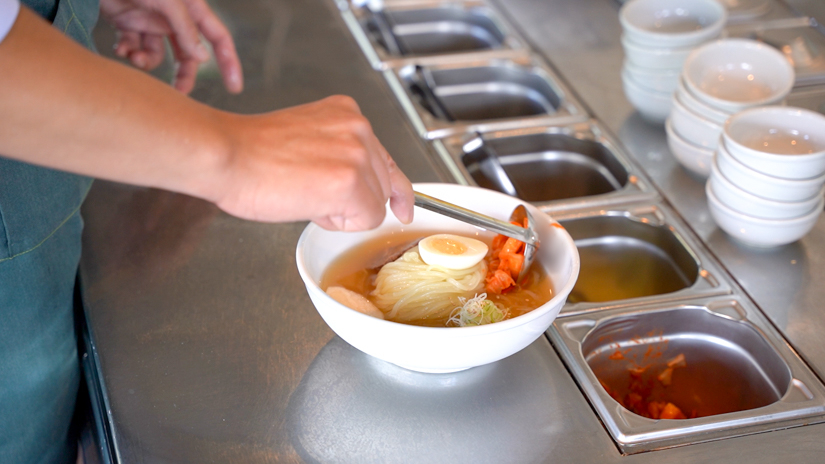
point(205, 174)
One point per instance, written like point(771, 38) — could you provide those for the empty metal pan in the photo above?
point(490, 92)
point(556, 168)
point(484, 95)
point(430, 31)
point(546, 167)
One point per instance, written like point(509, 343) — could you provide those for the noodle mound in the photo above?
point(408, 289)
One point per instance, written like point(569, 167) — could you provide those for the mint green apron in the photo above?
point(40, 229)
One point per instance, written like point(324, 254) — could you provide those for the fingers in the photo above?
point(188, 19)
point(144, 51)
point(385, 179)
point(128, 41)
point(222, 44)
point(155, 50)
point(187, 70)
point(378, 162)
point(402, 200)
point(145, 22)
point(319, 161)
point(184, 30)
point(185, 76)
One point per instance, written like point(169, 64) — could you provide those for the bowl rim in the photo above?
point(722, 150)
point(661, 73)
point(688, 37)
point(762, 155)
point(685, 93)
point(717, 175)
point(677, 103)
point(720, 103)
point(628, 42)
point(628, 80)
point(460, 332)
point(712, 198)
point(671, 131)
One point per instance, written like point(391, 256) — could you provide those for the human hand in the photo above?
point(319, 161)
point(143, 24)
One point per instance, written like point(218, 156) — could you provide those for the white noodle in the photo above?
point(409, 289)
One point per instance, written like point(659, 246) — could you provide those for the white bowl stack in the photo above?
point(718, 80)
point(658, 37)
point(766, 183)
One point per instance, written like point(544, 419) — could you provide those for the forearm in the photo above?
point(66, 108)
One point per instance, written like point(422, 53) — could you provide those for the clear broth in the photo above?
point(356, 268)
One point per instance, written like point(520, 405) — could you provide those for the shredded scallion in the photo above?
point(477, 311)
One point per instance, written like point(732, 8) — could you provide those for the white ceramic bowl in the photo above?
point(672, 23)
point(763, 185)
point(694, 128)
point(660, 80)
point(439, 349)
point(692, 103)
point(761, 232)
point(779, 141)
point(695, 159)
point(752, 205)
point(652, 105)
point(734, 74)
point(655, 58)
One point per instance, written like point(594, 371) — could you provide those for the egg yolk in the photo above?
point(452, 251)
point(448, 246)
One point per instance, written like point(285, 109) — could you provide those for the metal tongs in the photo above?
point(527, 235)
point(423, 80)
point(385, 28)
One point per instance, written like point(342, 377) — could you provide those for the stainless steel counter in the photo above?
point(210, 350)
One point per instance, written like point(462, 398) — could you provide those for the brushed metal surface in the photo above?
point(211, 351)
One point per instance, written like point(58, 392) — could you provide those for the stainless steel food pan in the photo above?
point(483, 96)
point(555, 168)
point(738, 375)
point(636, 254)
point(430, 32)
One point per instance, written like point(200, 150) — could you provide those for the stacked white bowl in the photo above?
point(766, 183)
point(658, 37)
point(718, 80)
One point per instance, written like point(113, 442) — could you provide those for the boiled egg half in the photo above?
point(452, 251)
